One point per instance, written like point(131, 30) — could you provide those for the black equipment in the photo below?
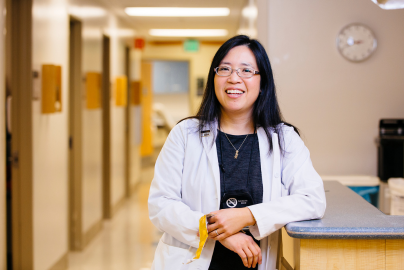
point(391, 149)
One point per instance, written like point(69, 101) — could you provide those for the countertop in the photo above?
point(348, 216)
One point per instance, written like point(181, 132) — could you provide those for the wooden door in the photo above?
point(106, 129)
point(75, 138)
point(146, 148)
point(20, 83)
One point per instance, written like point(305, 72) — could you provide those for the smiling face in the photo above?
point(235, 94)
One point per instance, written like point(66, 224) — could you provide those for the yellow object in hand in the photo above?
point(203, 236)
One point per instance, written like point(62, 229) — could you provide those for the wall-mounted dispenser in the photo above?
point(51, 88)
point(135, 93)
point(121, 91)
point(93, 90)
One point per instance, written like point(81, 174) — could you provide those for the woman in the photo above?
point(238, 161)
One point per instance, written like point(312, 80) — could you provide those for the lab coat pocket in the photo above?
point(170, 257)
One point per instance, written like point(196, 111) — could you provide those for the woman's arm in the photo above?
point(245, 247)
point(306, 196)
point(227, 222)
point(166, 209)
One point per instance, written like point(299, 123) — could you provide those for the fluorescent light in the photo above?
point(390, 4)
point(188, 32)
point(176, 12)
point(250, 12)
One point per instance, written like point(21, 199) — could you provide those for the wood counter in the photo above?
point(353, 234)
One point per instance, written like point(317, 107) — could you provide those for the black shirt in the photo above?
point(241, 173)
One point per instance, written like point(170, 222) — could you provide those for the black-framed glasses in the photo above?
point(226, 71)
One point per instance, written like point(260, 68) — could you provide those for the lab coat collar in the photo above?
point(264, 156)
point(209, 144)
point(270, 188)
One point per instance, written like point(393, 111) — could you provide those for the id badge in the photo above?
point(236, 199)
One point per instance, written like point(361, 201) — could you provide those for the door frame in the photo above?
point(106, 128)
point(146, 82)
point(75, 136)
point(22, 142)
point(5, 223)
point(128, 158)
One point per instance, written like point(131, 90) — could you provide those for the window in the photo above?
point(170, 77)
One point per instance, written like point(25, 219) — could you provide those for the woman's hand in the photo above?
point(226, 222)
point(245, 247)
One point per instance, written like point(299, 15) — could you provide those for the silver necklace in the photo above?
point(236, 155)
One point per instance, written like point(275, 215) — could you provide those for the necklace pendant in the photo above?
point(236, 155)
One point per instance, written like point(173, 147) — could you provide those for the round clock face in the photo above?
point(356, 42)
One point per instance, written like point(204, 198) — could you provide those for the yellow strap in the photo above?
point(203, 236)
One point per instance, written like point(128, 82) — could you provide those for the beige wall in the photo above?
point(117, 154)
point(92, 168)
point(2, 149)
point(336, 104)
point(199, 64)
point(50, 139)
point(50, 132)
point(135, 124)
point(93, 31)
point(134, 141)
point(92, 136)
point(117, 118)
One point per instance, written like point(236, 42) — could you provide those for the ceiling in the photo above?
point(142, 25)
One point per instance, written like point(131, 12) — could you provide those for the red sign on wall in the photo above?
point(139, 43)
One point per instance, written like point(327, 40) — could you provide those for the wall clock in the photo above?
point(356, 42)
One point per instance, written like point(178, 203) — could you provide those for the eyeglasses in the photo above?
point(225, 71)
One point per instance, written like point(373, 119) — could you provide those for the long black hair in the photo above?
point(266, 111)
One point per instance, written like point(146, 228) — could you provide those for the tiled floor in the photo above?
point(126, 242)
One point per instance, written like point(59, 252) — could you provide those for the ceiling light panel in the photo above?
point(188, 32)
point(389, 4)
point(176, 12)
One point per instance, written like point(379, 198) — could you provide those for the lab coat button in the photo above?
point(276, 175)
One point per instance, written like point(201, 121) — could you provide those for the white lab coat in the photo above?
point(186, 186)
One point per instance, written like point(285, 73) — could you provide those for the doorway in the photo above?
point(171, 88)
point(75, 137)
point(19, 77)
point(106, 128)
point(8, 163)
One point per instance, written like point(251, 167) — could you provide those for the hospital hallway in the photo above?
point(91, 89)
point(127, 241)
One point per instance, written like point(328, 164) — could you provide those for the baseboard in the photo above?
point(118, 205)
point(62, 263)
point(91, 233)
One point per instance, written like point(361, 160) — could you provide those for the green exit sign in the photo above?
point(191, 45)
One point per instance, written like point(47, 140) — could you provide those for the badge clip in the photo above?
point(205, 133)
